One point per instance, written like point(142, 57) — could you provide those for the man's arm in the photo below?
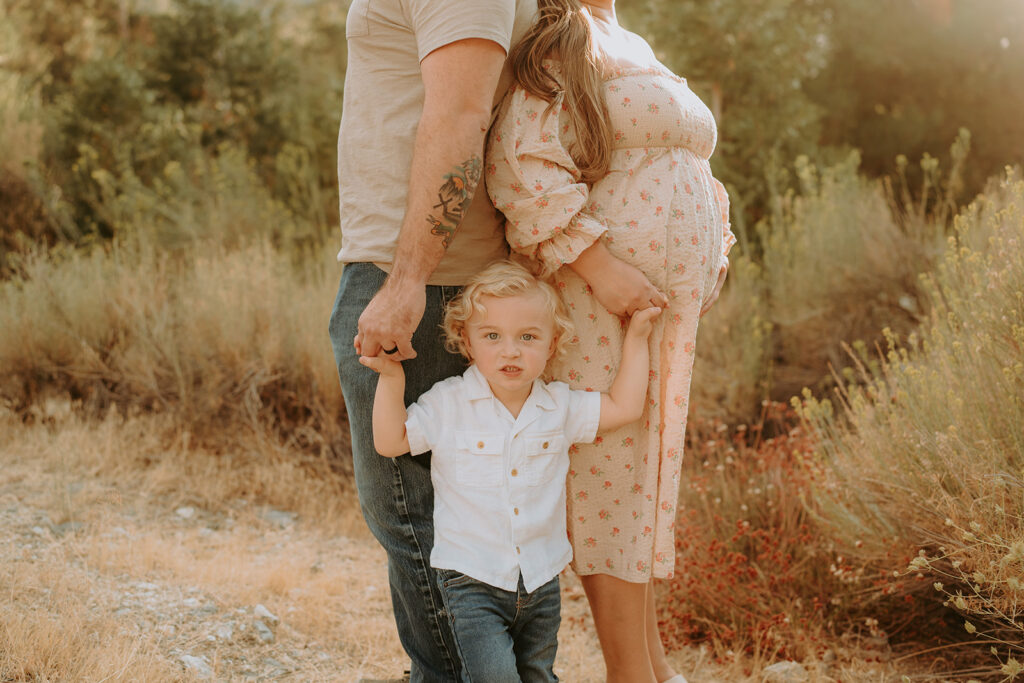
point(459, 81)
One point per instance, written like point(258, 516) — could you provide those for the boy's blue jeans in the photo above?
point(503, 636)
point(395, 494)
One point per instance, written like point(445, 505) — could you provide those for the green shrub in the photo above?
point(233, 72)
point(927, 453)
point(23, 217)
point(58, 36)
point(98, 123)
point(139, 92)
point(227, 69)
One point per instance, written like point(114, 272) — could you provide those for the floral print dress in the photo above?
point(660, 210)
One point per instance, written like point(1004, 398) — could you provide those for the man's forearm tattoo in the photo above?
point(453, 199)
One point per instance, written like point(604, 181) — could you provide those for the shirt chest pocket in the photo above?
point(546, 458)
point(478, 460)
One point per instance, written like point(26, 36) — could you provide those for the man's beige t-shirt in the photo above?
point(383, 103)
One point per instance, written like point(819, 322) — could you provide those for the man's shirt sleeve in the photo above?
point(437, 23)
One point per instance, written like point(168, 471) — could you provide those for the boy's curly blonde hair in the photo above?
point(503, 279)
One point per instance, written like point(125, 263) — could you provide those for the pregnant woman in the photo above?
point(599, 161)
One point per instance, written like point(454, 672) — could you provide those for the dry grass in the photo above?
point(104, 580)
point(116, 458)
point(117, 484)
point(837, 266)
point(229, 341)
point(927, 455)
point(839, 261)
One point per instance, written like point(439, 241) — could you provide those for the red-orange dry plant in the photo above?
point(752, 574)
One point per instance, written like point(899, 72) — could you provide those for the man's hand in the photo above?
point(390, 319)
point(716, 291)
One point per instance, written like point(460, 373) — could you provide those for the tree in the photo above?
point(906, 76)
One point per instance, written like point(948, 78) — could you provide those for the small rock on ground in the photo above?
point(198, 666)
point(784, 672)
point(263, 613)
point(263, 632)
point(279, 518)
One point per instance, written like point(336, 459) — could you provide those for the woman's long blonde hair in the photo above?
point(561, 31)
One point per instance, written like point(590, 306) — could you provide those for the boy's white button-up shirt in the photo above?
point(499, 481)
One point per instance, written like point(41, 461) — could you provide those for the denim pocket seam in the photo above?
point(454, 581)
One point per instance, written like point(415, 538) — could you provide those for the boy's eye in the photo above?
point(528, 337)
point(493, 336)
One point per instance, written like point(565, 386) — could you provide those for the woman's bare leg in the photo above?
point(656, 651)
point(619, 608)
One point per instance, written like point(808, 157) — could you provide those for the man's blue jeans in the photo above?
point(395, 494)
point(503, 636)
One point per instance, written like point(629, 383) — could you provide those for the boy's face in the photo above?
point(511, 343)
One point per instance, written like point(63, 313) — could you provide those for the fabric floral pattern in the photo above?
point(660, 210)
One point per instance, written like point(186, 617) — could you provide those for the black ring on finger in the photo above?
point(390, 351)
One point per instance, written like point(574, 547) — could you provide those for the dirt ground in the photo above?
point(126, 559)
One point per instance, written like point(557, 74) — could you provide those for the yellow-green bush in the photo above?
point(226, 339)
point(840, 261)
point(837, 266)
point(926, 455)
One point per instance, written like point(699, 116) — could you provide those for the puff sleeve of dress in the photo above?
point(532, 179)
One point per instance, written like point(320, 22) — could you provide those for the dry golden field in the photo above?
point(126, 558)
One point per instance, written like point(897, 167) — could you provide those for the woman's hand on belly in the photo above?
point(717, 290)
point(618, 286)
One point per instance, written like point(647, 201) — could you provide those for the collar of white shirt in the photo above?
point(477, 389)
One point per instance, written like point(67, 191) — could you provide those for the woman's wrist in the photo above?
point(593, 262)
